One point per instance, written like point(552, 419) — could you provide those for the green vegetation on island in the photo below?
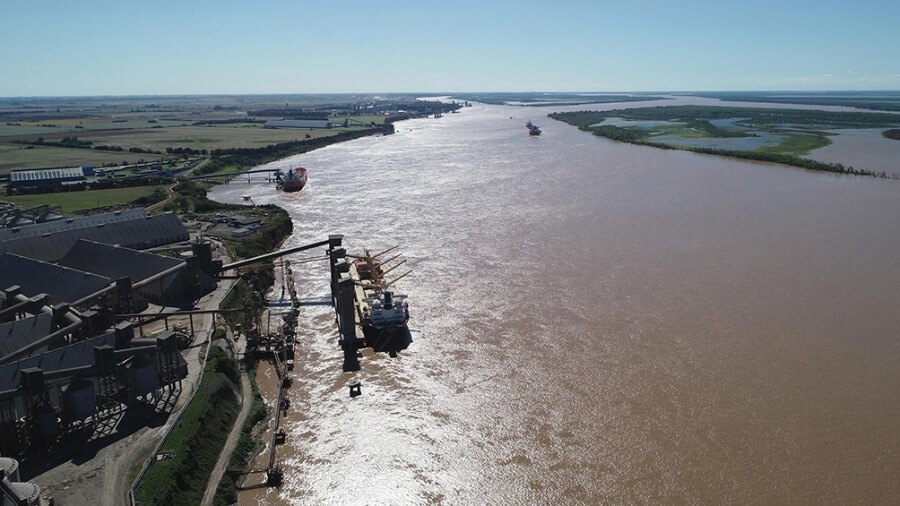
point(750, 116)
point(893, 133)
point(774, 135)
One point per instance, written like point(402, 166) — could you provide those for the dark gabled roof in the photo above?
point(32, 230)
point(116, 262)
point(138, 233)
point(75, 355)
point(62, 284)
point(15, 335)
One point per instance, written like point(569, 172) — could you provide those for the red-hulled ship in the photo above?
point(294, 180)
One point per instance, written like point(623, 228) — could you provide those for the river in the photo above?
point(597, 322)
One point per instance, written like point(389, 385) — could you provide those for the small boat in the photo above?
point(294, 180)
point(533, 129)
point(246, 197)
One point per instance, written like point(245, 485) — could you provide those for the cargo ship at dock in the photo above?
point(293, 181)
point(384, 313)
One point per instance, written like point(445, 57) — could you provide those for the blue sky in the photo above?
point(172, 47)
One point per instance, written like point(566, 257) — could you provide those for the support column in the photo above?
point(347, 323)
point(335, 258)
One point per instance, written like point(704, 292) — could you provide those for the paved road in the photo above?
point(225, 456)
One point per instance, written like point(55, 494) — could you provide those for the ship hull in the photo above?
point(390, 339)
point(290, 186)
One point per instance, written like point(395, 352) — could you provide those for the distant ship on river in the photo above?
point(294, 180)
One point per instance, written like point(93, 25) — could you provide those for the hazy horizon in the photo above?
point(449, 93)
point(106, 48)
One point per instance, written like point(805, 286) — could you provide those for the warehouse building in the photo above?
point(34, 229)
point(20, 178)
point(34, 277)
point(185, 284)
point(137, 233)
point(298, 123)
point(18, 334)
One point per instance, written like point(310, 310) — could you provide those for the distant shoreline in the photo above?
point(697, 119)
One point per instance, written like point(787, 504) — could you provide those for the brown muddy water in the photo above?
point(863, 148)
point(597, 322)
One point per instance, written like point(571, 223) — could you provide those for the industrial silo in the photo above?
point(26, 493)
point(79, 399)
point(142, 376)
point(10, 468)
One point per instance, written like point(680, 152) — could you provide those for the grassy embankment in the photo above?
point(197, 439)
point(804, 134)
point(251, 288)
point(247, 446)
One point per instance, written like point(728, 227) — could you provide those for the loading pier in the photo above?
point(355, 282)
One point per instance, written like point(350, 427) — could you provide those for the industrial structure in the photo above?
point(12, 216)
point(14, 492)
point(73, 350)
point(66, 361)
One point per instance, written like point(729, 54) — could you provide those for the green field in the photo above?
point(209, 137)
point(239, 135)
point(72, 202)
point(156, 124)
point(14, 156)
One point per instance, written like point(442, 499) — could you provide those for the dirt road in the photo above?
point(225, 456)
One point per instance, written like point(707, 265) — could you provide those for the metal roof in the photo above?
point(17, 334)
point(62, 284)
point(138, 233)
point(39, 174)
point(298, 123)
point(116, 262)
point(67, 357)
point(70, 224)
